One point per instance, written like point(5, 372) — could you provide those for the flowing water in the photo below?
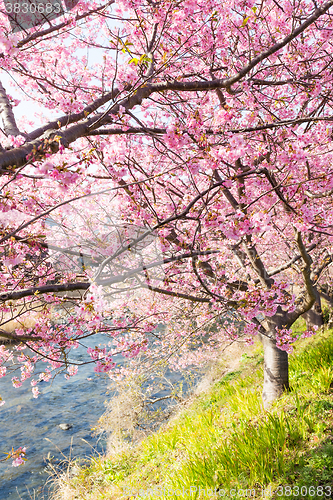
point(34, 423)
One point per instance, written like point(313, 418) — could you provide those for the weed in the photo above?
point(226, 440)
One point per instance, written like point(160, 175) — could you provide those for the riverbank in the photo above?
point(224, 444)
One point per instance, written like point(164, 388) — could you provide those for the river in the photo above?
point(34, 423)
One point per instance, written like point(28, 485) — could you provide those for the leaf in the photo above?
point(145, 58)
point(134, 60)
point(244, 23)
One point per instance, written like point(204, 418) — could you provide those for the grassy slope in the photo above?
point(225, 441)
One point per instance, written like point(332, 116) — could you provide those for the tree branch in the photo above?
point(304, 303)
point(314, 196)
point(17, 157)
point(66, 287)
point(228, 82)
point(7, 115)
point(289, 263)
point(180, 295)
point(37, 290)
point(276, 187)
point(52, 29)
point(66, 120)
point(133, 272)
point(18, 338)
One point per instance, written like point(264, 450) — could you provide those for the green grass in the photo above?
point(226, 446)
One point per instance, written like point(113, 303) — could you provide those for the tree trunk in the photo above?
point(314, 317)
point(275, 371)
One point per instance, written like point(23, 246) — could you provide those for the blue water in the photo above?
point(34, 423)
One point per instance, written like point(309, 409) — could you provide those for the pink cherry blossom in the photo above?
point(172, 193)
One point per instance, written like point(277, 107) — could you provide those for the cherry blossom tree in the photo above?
point(179, 173)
